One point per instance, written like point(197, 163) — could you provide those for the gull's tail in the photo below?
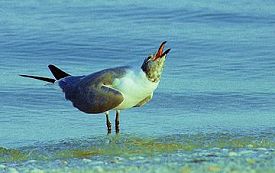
point(57, 73)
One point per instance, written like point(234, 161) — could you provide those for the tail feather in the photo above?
point(57, 73)
point(39, 78)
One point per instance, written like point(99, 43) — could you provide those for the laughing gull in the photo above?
point(116, 88)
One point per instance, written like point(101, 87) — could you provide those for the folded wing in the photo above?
point(95, 94)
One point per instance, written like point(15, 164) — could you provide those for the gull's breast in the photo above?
point(135, 87)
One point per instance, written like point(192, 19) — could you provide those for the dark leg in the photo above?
point(117, 121)
point(108, 123)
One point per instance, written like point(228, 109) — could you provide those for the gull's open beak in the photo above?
point(160, 52)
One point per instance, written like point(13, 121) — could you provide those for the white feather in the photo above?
point(135, 87)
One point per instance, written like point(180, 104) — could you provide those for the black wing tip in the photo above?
point(51, 66)
point(57, 72)
point(24, 75)
point(38, 78)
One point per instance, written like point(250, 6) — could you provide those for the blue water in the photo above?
point(218, 77)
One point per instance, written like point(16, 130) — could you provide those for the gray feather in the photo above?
point(94, 93)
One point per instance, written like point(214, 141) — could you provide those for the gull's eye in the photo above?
point(148, 59)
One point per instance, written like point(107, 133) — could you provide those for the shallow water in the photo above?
point(212, 152)
point(216, 94)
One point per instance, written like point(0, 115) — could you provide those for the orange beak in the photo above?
point(160, 52)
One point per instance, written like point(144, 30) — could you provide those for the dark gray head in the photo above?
point(153, 65)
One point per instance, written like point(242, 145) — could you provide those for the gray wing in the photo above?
point(98, 99)
point(94, 93)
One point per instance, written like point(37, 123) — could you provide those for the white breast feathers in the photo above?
point(135, 87)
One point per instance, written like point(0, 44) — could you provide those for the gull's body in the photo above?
point(110, 89)
point(116, 88)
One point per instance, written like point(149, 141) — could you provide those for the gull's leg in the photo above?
point(108, 123)
point(117, 121)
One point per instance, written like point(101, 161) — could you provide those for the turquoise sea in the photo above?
point(214, 110)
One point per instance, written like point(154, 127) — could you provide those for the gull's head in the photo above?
point(153, 65)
